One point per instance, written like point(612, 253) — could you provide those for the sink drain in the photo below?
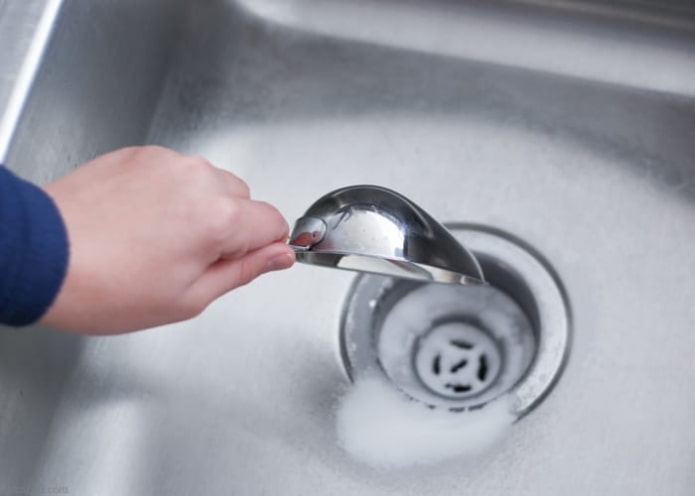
point(452, 346)
point(460, 347)
point(457, 360)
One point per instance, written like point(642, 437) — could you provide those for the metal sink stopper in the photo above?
point(374, 229)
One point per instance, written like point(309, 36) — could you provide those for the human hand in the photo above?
point(155, 237)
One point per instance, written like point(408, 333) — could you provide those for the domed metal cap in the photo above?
point(374, 229)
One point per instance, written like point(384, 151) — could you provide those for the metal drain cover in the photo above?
point(461, 347)
point(453, 346)
point(457, 360)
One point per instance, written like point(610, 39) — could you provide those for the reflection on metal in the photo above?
point(374, 229)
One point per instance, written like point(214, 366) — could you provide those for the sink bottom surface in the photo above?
point(596, 176)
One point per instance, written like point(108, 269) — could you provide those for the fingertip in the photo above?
point(226, 275)
point(280, 262)
point(281, 257)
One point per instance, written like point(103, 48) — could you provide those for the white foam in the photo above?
point(379, 426)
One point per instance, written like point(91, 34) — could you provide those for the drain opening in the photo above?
point(456, 360)
point(461, 347)
point(478, 338)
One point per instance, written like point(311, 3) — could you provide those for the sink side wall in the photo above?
point(98, 85)
point(95, 90)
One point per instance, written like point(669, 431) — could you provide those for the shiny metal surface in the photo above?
point(25, 28)
point(373, 229)
point(524, 308)
point(583, 147)
point(87, 61)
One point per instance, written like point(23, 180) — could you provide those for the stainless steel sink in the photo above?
point(569, 124)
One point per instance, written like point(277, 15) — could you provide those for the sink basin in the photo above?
point(569, 124)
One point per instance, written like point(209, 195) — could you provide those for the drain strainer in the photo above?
point(460, 347)
point(453, 346)
point(457, 360)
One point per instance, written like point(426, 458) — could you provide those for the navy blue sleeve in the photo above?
point(33, 250)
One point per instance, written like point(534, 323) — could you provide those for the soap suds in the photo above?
point(379, 426)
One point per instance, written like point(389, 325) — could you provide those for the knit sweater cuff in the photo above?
point(33, 251)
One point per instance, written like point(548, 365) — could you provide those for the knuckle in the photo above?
point(147, 155)
point(128, 150)
point(228, 211)
point(192, 307)
point(149, 151)
point(277, 219)
point(194, 171)
point(243, 187)
point(222, 218)
point(154, 149)
point(129, 156)
point(270, 210)
point(198, 162)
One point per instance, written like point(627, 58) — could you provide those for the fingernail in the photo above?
point(280, 262)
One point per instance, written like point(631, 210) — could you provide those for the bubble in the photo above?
point(381, 427)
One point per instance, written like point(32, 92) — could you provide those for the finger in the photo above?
point(232, 183)
point(253, 225)
point(236, 185)
point(225, 275)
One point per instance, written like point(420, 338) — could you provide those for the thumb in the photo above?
point(225, 275)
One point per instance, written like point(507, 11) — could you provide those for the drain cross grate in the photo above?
point(457, 360)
